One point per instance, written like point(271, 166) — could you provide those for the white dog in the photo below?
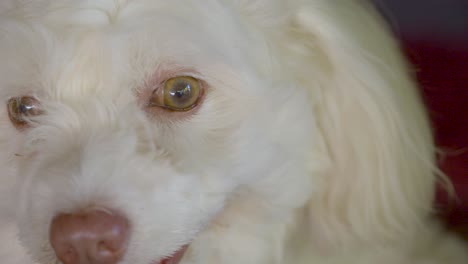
point(212, 132)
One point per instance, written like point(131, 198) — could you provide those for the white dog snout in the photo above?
point(93, 237)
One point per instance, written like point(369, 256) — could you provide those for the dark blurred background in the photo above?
point(443, 21)
point(434, 36)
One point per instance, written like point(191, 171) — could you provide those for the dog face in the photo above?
point(162, 112)
point(138, 130)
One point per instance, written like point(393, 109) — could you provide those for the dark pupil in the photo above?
point(24, 109)
point(181, 92)
point(25, 106)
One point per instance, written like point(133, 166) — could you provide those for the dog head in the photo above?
point(150, 115)
point(136, 127)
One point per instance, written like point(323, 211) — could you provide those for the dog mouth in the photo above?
point(175, 258)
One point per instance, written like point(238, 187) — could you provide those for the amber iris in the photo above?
point(177, 94)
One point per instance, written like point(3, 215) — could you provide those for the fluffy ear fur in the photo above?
point(380, 182)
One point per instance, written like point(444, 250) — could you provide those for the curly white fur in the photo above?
point(311, 146)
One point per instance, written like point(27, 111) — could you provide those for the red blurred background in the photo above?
point(434, 36)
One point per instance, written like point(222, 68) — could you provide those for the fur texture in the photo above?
point(310, 146)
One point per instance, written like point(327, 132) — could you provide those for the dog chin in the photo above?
point(175, 258)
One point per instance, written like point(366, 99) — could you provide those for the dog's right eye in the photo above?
point(20, 108)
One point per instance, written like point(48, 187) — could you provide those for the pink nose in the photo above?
point(93, 237)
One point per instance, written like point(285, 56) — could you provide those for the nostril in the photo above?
point(106, 251)
point(69, 256)
point(92, 237)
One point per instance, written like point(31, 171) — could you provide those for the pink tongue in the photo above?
point(175, 259)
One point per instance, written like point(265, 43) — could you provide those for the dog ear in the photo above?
point(380, 183)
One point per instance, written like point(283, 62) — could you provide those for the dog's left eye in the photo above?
point(20, 108)
point(178, 94)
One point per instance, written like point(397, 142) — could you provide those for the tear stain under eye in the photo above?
point(156, 98)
